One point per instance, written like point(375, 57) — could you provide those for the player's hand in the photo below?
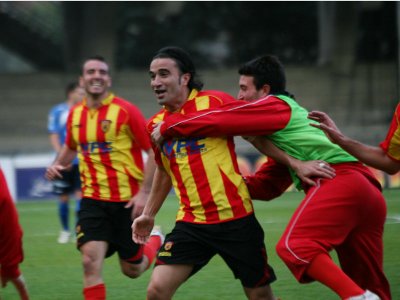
point(327, 125)
point(156, 136)
point(308, 171)
point(19, 284)
point(137, 202)
point(54, 171)
point(141, 229)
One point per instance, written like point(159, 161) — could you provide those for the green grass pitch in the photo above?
point(53, 271)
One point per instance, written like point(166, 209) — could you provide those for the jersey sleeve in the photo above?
point(137, 125)
point(269, 182)
point(391, 144)
point(156, 150)
point(260, 117)
point(68, 138)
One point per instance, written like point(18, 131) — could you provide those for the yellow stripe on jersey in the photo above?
point(213, 161)
point(202, 103)
point(190, 186)
point(91, 134)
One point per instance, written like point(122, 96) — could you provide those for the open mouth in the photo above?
point(160, 93)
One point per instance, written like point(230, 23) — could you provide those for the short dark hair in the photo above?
point(93, 57)
point(71, 87)
point(266, 69)
point(184, 63)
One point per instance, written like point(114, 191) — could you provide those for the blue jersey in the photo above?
point(57, 122)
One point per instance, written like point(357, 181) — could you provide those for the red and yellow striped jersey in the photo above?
point(109, 141)
point(391, 145)
point(204, 170)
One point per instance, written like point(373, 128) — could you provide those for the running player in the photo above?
point(109, 135)
point(215, 210)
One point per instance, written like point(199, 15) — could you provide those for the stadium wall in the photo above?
point(25, 175)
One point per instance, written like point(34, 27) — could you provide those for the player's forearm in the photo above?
point(370, 155)
point(55, 142)
point(159, 191)
point(266, 147)
point(65, 156)
point(149, 171)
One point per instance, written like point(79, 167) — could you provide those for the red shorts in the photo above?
point(347, 214)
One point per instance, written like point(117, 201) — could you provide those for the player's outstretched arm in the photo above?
point(371, 155)
point(142, 226)
point(307, 171)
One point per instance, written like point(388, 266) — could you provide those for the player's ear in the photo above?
point(185, 78)
point(266, 89)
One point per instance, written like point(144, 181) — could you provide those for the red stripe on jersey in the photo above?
point(233, 197)
point(138, 159)
point(203, 187)
point(105, 156)
point(86, 155)
point(184, 198)
point(231, 146)
point(133, 183)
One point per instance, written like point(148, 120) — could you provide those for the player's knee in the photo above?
point(132, 271)
point(88, 263)
point(154, 292)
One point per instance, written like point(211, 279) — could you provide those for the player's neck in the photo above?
point(178, 102)
point(95, 101)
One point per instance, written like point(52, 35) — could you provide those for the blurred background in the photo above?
point(340, 57)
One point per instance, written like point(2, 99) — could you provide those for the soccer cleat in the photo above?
point(366, 296)
point(157, 232)
point(64, 236)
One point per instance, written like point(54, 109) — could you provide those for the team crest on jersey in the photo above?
point(105, 125)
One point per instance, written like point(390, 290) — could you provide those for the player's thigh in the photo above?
point(166, 279)
point(93, 253)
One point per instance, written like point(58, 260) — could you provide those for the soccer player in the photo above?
point(215, 213)
point(386, 157)
point(11, 252)
point(346, 213)
point(70, 181)
point(109, 135)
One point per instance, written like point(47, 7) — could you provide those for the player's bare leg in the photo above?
point(93, 254)
point(166, 279)
point(259, 293)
